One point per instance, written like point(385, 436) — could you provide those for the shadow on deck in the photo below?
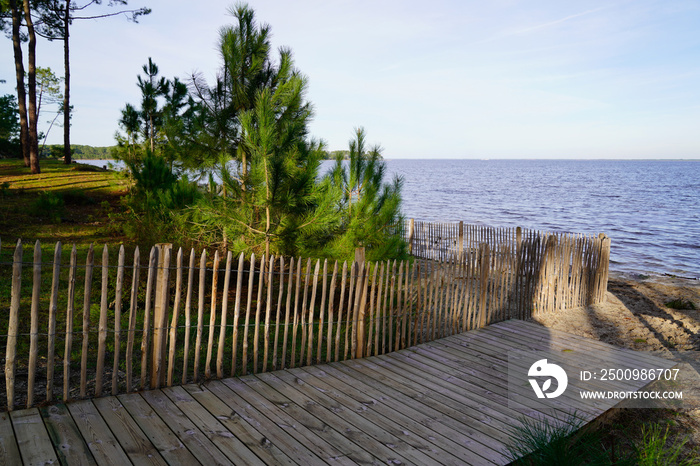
point(444, 402)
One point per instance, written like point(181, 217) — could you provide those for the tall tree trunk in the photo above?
point(31, 82)
point(21, 90)
point(66, 91)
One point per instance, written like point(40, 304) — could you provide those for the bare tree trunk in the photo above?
point(66, 91)
point(21, 91)
point(31, 74)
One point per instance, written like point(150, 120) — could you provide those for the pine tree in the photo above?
point(369, 208)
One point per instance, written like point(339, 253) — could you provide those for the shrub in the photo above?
point(49, 205)
point(680, 304)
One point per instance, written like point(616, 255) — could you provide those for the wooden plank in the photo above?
point(188, 433)
point(171, 448)
point(352, 426)
point(482, 379)
point(9, 452)
point(275, 434)
point(415, 449)
point(255, 440)
point(13, 326)
point(97, 434)
point(68, 443)
point(487, 373)
point(34, 325)
point(33, 441)
point(490, 347)
point(325, 442)
point(411, 440)
point(475, 429)
point(448, 438)
point(468, 408)
point(127, 432)
point(235, 450)
point(53, 310)
point(570, 360)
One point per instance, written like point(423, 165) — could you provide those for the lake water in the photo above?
point(649, 209)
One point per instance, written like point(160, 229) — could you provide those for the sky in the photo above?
point(440, 79)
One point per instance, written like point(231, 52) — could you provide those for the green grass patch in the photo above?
point(680, 304)
point(70, 203)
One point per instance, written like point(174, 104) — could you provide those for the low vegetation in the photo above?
point(680, 304)
point(68, 203)
point(627, 437)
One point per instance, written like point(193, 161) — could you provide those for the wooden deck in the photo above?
point(444, 402)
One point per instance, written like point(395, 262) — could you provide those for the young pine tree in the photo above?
point(370, 209)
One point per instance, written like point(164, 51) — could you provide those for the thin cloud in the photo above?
point(539, 27)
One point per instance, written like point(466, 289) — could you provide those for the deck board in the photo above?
point(9, 453)
point(33, 440)
point(443, 402)
point(67, 440)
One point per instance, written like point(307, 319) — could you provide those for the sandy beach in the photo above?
point(635, 315)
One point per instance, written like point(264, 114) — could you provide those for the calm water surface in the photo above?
point(650, 209)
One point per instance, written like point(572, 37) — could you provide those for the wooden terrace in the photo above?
point(443, 402)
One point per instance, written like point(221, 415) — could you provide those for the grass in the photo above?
point(629, 437)
point(680, 304)
point(68, 203)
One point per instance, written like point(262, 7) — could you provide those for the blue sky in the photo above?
point(445, 79)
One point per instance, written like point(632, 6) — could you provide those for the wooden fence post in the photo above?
point(485, 266)
point(360, 304)
point(13, 325)
point(160, 314)
point(411, 230)
point(460, 244)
